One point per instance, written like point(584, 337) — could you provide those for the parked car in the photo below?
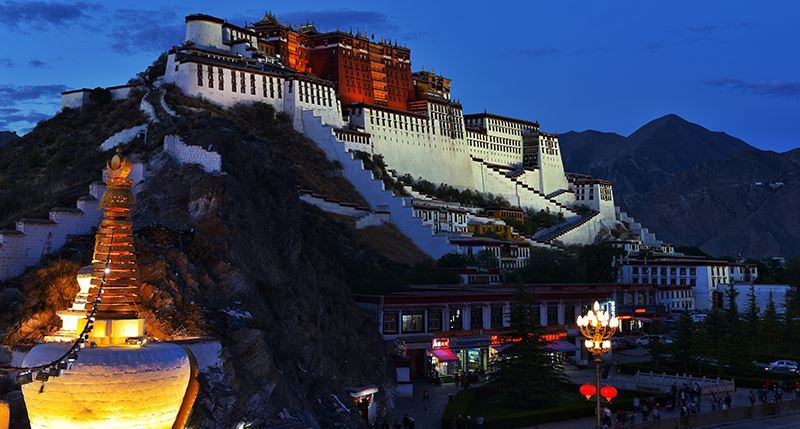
point(699, 317)
point(783, 366)
point(621, 344)
point(645, 341)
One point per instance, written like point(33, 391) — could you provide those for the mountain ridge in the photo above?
point(695, 186)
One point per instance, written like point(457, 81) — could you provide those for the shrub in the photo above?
point(99, 97)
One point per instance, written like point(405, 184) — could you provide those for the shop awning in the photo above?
point(500, 347)
point(445, 355)
point(561, 346)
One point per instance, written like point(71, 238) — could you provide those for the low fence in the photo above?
point(664, 382)
point(734, 415)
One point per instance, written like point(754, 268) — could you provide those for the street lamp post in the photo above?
point(597, 327)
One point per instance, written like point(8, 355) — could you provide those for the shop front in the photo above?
point(633, 319)
point(364, 399)
point(460, 354)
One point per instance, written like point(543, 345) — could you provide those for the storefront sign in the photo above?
point(474, 342)
point(440, 343)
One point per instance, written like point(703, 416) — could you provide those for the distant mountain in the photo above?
point(7, 136)
point(650, 156)
point(697, 187)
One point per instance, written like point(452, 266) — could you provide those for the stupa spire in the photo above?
point(114, 247)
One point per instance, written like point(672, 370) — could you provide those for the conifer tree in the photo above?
point(737, 352)
point(770, 327)
point(752, 318)
point(682, 350)
point(526, 371)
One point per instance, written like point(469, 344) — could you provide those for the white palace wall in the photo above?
point(412, 144)
point(373, 190)
point(240, 85)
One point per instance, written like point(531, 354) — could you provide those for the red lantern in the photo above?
point(588, 390)
point(608, 392)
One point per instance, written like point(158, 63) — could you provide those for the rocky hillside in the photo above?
point(238, 256)
point(7, 136)
point(696, 187)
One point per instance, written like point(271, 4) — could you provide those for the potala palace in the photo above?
point(350, 93)
point(356, 96)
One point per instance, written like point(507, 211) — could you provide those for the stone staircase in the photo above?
point(556, 234)
point(507, 178)
point(635, 227)
point(373, 190)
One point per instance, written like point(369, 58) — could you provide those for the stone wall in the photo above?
point(122, 137)
point(210, 161)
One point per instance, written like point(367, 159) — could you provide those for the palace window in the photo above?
point(496, 311)
point(233, 80)
point(264, 85)
point(280, 88)
point(456, 318)
point(476, 317)
point(413, 322)
point(199, 75)
point(434, 320)
point(221, 80)
point(253, 84)
point(244, 84)
point(552, 314)
point(210, 77)
point(390, 322)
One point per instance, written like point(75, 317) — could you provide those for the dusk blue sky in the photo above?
point(728, 65)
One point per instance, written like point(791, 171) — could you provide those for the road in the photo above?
point(791, 421)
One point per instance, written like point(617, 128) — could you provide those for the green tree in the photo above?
point(711, 338)
point(752, 318)
point(599, 262)
point(527, 372)
point(550, 266)
point(735, 347)
point(99, 96)
point(771, 327)
point(486, 259)
point(682, 350)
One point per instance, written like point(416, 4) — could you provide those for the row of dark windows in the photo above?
point(268, 83)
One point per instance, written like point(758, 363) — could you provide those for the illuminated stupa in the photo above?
point(109, 376)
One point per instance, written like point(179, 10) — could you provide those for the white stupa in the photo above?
point(100, 371)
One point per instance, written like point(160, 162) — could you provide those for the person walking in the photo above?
point(728, 400)
point(752, 398)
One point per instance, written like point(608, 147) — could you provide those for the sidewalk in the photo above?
point(740, 401)
point(415, 407)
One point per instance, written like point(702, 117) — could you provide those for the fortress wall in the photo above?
point(210, 161)
point(373, 190)
point(12, 254)
point(38, 238)
point(332, 207)
point(123, 136)
point(68, 222)
point(74, 99)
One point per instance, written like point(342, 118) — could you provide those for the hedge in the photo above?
point(530, 416)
